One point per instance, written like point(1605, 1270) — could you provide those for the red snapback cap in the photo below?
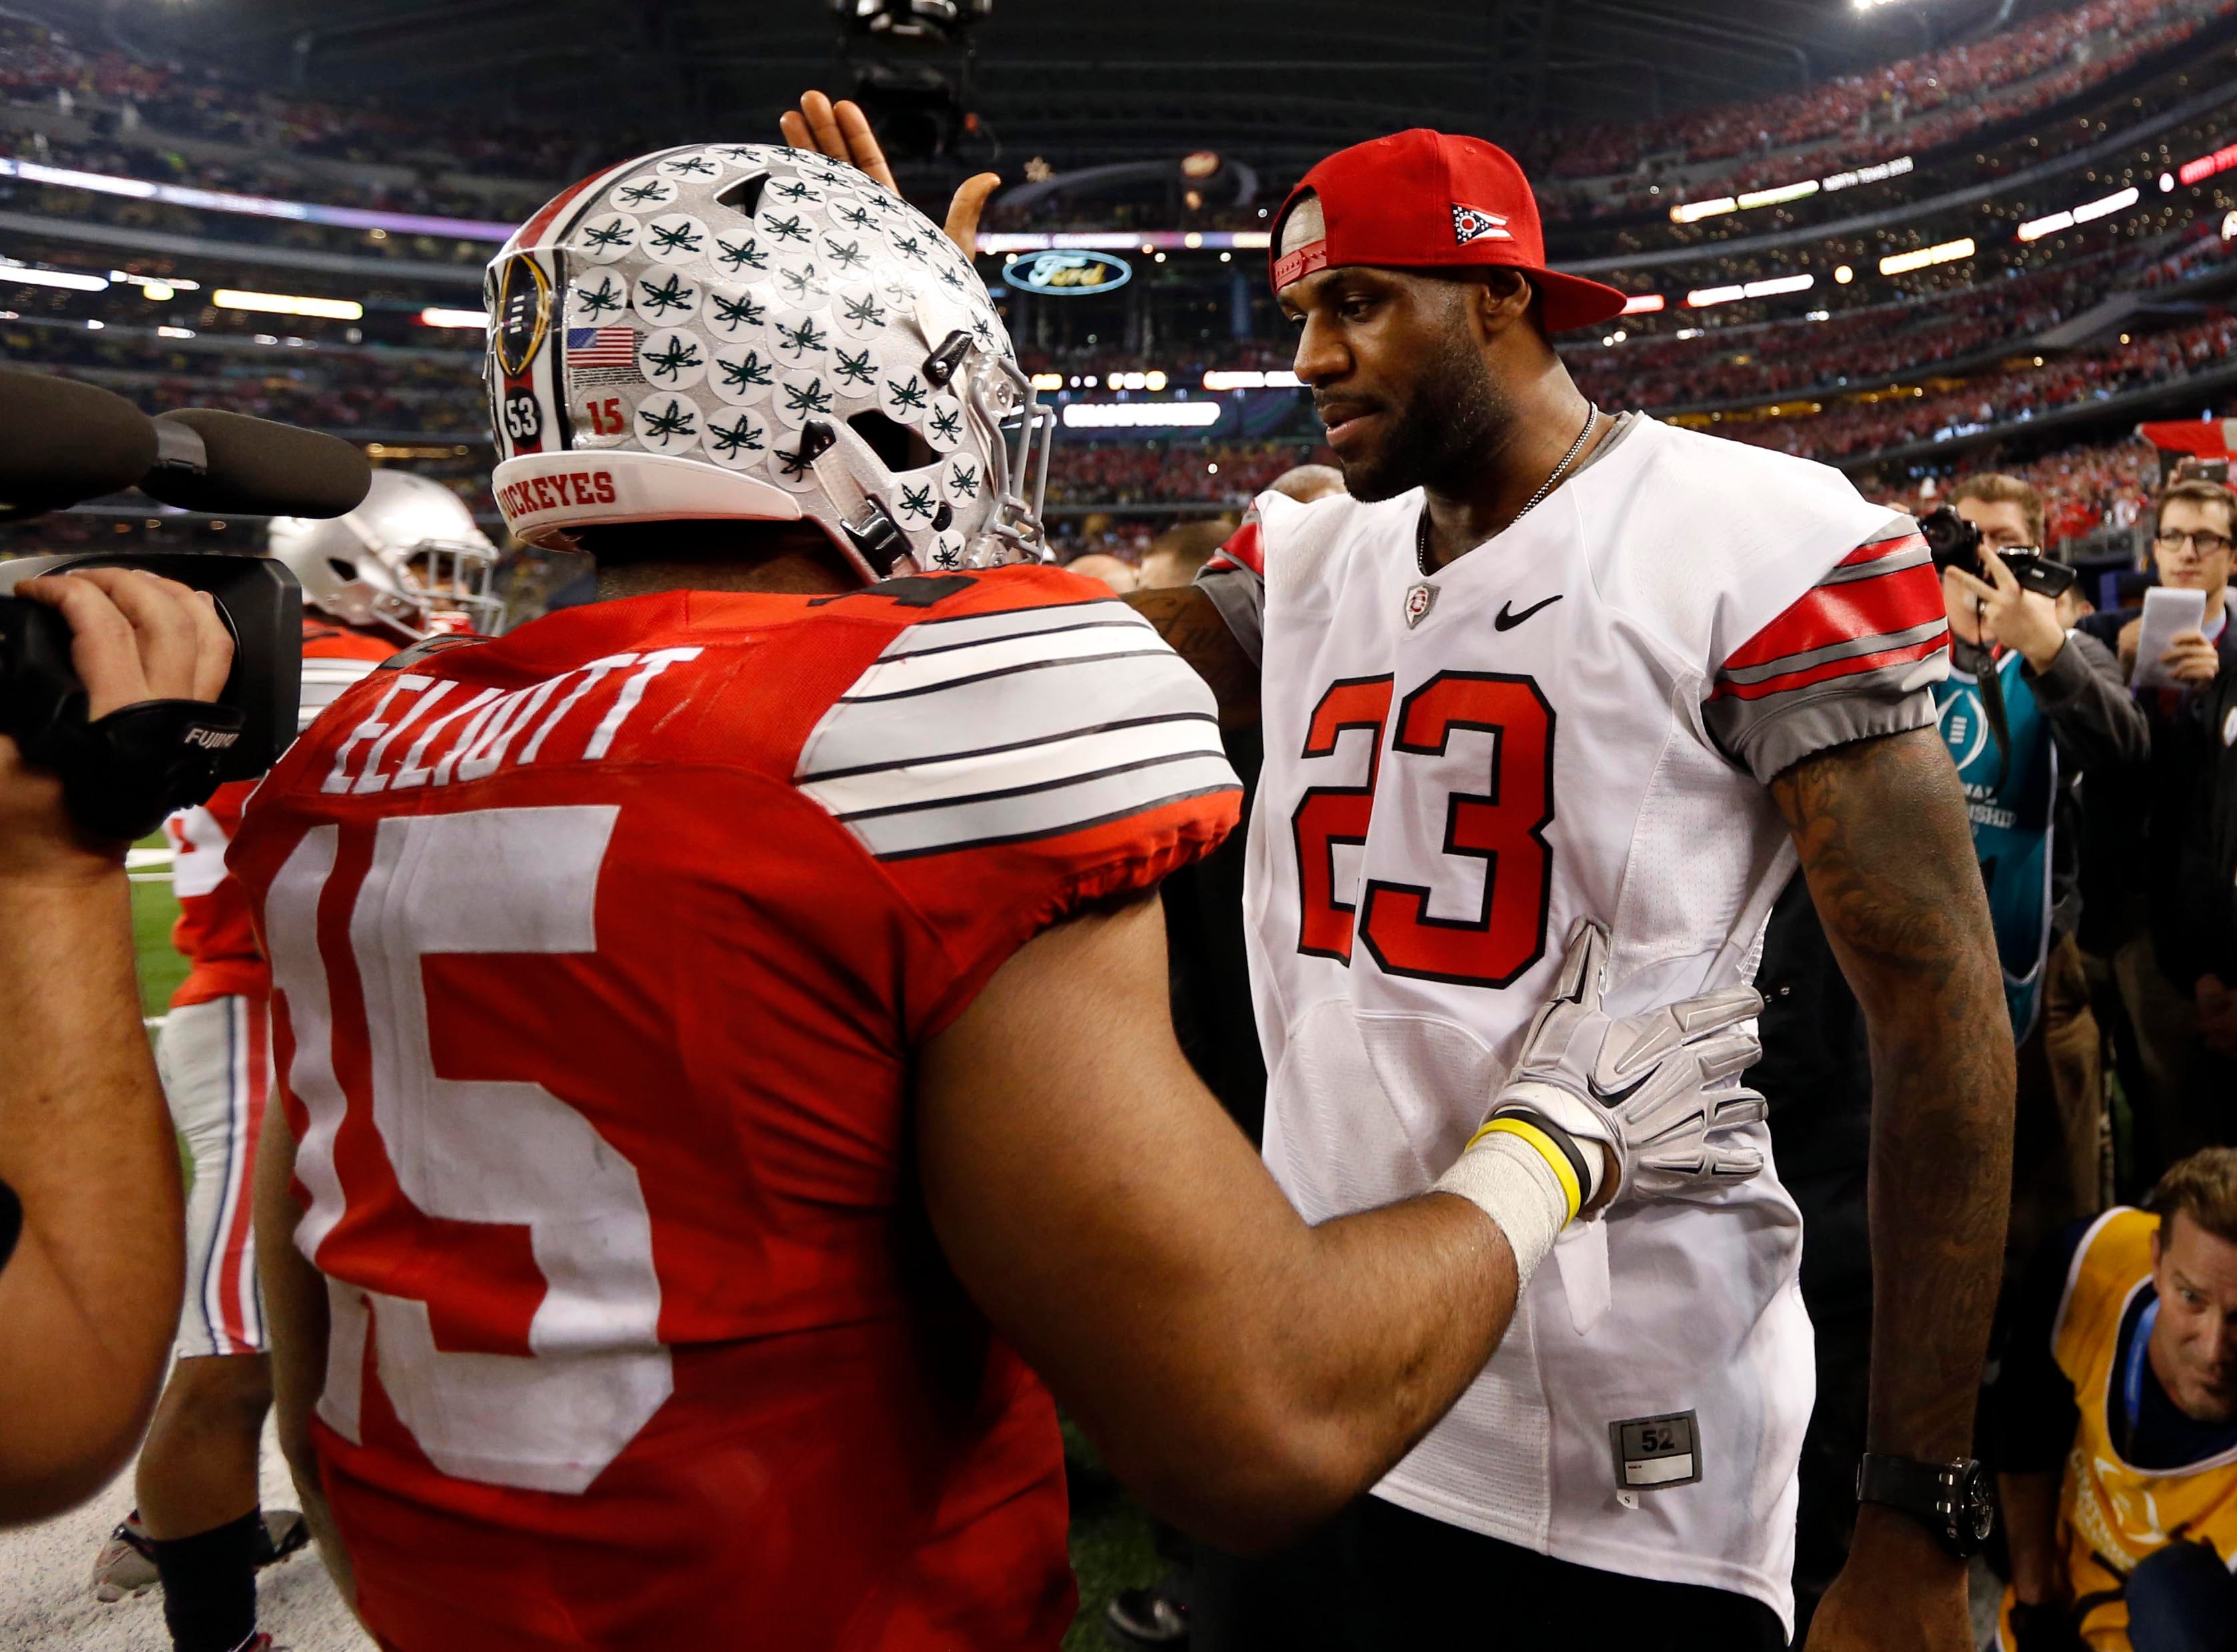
point(1424, 200)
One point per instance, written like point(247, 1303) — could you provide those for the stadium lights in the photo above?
point(1944, 253)
point(23, 274)
point(1152, 416)
point(434, 316)
point(1695, 211)
point(172, 194)
point(175, 333)
point(1643, 303)
point(1879, 174)
point(1785, 192)
point(1701, 297)
point(227, 298)
point(158, 287)
point(1002, 242)
point(2206, 165)
point(2119, 201)
point(1251, 379)
point(1843, 275)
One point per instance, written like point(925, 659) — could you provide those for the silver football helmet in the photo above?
point(410, 559)
point(753, 332)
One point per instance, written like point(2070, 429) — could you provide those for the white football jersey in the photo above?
point(1576, 718)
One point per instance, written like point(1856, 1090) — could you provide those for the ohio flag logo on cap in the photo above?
point(1471, 225)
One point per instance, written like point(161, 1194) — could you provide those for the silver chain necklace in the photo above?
point(1421, 530)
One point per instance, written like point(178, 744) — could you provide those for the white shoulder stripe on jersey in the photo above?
point(927, 673)
point(1018, 769)
point(326, 681)
point(927, 635)
point(1016, 818)
point(971, 733)
point(1011, 709)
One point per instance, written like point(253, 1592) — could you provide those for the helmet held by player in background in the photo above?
point(411, 560)
point(749, 332)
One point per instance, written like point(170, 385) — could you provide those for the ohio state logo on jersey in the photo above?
point(1471, 224)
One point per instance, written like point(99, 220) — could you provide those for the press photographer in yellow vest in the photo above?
point(2113, 1425)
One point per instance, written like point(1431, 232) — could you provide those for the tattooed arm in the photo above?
point(1882, 829)
point(1186, 618)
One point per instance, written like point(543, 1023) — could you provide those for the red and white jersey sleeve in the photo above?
point(601, 955)
point(1003, 767)
point(1235, 576)
point(1853, 658)
point(213, 931)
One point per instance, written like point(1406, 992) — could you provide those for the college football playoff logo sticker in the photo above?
point(522, 314)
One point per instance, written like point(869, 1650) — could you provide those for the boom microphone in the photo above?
point(61, 441)
point(233, 464)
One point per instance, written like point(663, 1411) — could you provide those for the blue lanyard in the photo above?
point(2132, 1385)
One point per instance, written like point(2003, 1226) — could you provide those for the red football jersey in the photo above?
point(213, 931)
point(600, 952)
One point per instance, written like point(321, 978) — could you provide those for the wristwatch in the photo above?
point(1950, 1499)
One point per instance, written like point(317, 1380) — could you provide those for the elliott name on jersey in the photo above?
point(1579, 718)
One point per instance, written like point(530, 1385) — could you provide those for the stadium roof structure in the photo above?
point(1281, 81)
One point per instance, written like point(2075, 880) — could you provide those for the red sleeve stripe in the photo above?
point(1825, 671)
point(1244, 549)
point(1911, 539)
point(1856, 609)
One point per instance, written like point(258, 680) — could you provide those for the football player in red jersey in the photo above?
point(721, 1029)
point(407, 560)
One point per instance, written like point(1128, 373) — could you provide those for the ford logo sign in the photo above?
point(1067, 272)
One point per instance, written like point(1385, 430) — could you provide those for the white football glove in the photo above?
point(1649, 1087)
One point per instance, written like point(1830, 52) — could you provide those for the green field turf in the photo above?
point(1110, 1547)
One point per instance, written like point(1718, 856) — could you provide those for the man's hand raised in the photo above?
point(842, 132)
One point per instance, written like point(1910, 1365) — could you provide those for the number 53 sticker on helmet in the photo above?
point(745, 332)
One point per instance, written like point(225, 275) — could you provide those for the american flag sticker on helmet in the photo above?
point(1471, 224)
point(601, 346)
point(603, 356)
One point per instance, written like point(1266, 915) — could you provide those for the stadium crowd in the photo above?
point(1910, 107)
point(463, 160)
point(1903, 415)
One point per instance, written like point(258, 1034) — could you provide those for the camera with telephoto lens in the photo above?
point(123, 774)
point(1956, 543)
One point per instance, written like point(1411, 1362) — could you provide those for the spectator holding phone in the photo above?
point(2164, 847)
point(90, 1219)
point(2194, 910)
point(2029, 709)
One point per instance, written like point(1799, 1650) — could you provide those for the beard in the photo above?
point(1447, 427)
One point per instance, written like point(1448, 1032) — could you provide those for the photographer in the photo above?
point(90, 1260)
point(2113, 1426)
point(2030, 707)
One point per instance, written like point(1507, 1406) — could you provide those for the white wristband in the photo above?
point(1511, 1182)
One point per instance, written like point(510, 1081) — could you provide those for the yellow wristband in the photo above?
point(1547, 1147)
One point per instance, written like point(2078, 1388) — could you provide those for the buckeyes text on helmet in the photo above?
point(751, 333)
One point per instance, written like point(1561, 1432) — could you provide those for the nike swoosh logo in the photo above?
point(1504, 620)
